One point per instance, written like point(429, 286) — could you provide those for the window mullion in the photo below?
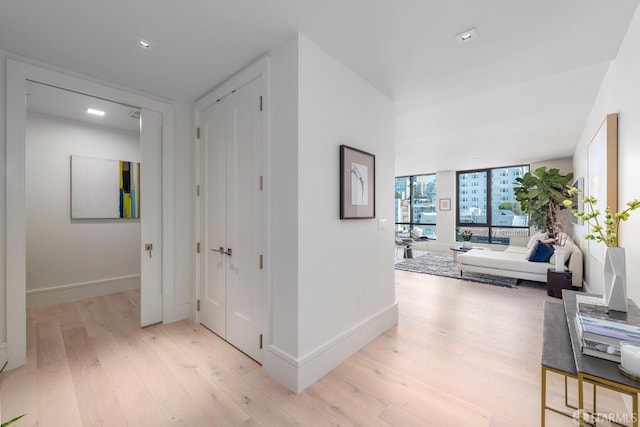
point(412, 180)
point(488, 205)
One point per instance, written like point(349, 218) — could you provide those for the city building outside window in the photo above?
point(416, 204)
point(496, 216)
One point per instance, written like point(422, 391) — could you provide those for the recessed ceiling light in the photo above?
point(95, 112)
point(143, 44)
point(466, 36)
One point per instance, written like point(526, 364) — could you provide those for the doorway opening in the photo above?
point(158, 132)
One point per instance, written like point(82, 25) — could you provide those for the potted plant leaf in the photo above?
point(13, 420)
point(541, 194)
point(606, 230)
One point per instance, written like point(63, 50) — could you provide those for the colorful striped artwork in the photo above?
point(102, 188)
point(129, 199)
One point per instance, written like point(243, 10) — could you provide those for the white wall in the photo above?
point(282, 176)
point(619, 93)
point(564, 165)
point(3, 181)
point(446, 220)
point(61, 252)
point(345, 257)
point(321, 263)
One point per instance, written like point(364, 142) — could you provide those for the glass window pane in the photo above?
point(424, 199)
point(403, 230)
point(478, 234)
point(502, 236)
point(472, 197)
point(505, 210)
point(403, 188)
point(427, 230)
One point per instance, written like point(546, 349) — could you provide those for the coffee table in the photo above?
point(459, 248)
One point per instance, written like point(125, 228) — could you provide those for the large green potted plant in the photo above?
point(541, 194)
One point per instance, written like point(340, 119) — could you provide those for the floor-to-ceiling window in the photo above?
point(416, 204)
point(487, 206)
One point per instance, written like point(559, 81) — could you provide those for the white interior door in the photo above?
point(232, 296)
point(214, 226)
point(150, 217)
point(244, 219)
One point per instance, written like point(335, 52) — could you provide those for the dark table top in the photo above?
point(557, 352)
point(460, 248)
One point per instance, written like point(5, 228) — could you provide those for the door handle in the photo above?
point(221, 251)
point(148, 247)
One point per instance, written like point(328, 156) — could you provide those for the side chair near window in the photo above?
point(408, 242)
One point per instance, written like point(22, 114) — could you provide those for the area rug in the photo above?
point(444, 265)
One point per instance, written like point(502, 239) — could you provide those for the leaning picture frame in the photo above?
point(357, 183)
point(602, 184)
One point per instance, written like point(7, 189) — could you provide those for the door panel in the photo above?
point(150, 217)
point(244, 219)
point(214, 143)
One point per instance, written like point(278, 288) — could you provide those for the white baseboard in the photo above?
point(77, 291)
point(299, 373)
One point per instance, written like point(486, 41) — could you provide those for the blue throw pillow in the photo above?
point(542, 252)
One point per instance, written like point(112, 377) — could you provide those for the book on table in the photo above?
point(601, 350)
point(601, 331)
point(587, 304)
point(591, 306)
point(607, 331)
point(597, 348)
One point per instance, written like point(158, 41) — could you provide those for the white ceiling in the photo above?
point(521, 92)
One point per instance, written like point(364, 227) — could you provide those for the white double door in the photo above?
point(231, 218)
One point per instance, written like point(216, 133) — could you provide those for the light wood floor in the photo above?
point(462, 354)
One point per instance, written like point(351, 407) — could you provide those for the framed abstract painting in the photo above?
point(357, 183)
point(104, 189)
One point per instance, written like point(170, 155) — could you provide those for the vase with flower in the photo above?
point(606, 231)
point(466, 238)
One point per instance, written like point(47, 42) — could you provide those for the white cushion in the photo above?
point(538, 236)
point(517, 249)
point(508, 261)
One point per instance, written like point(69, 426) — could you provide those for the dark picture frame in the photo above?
point(445, 204)
point(357, 183)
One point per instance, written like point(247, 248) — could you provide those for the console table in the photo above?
point(588, 369)
point(557, 355)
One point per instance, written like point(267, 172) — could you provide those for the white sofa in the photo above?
point(512, 262)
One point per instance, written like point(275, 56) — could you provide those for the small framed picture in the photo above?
point(445, 204)
point(357, 183)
